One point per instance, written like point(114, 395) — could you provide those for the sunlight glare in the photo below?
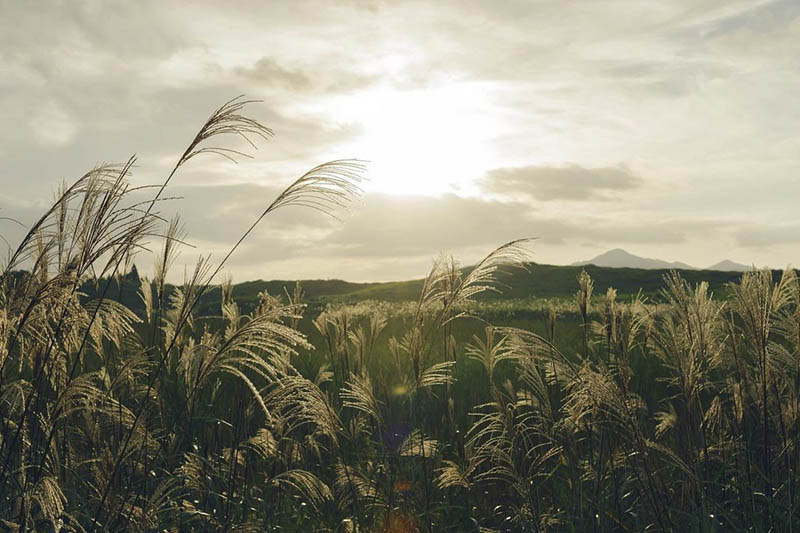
point(422, 141)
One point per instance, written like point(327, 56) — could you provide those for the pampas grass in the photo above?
point(680, 415)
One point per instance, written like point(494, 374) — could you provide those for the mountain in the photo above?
point(619, 258)
point(729, 266)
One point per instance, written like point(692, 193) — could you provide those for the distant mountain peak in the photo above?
point(729, 266)
point(619, 258)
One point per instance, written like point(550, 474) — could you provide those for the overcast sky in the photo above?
point(668, 128)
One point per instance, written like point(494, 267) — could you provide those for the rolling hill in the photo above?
point(535, 281)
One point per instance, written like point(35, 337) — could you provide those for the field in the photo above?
point(506, 396)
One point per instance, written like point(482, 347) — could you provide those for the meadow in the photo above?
point(129, 404)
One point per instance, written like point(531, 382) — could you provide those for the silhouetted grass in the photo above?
point(129, 404)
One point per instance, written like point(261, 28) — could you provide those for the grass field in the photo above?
point(128, 404)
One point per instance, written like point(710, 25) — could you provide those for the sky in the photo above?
point(669, 128)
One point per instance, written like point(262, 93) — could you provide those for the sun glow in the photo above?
point(423, 141)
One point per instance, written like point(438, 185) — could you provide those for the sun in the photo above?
point(423, 141)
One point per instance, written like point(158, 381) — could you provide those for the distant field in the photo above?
point(522, 291)
point(539, 281)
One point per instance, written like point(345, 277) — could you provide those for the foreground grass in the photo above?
point(582, 414)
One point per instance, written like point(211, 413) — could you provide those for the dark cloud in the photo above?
point(571, 182)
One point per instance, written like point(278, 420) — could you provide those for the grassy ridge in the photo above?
point(518, 287)
point(554, 281)
point(538, 281)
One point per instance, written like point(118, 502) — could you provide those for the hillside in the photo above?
point(537, 281)
point(554, 281)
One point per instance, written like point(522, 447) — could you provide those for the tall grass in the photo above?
point(615, 416)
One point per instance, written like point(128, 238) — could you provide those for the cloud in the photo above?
point(571, 182)
point(388, 237)
point(269, 71)
point(698, 98)
point(386, 230)
point(53, 127)
point(382, 237)
point(766, 235)
point(386, 225)
point(323, 79)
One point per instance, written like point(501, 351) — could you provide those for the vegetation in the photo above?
point(527, 287)
point(586, 414)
